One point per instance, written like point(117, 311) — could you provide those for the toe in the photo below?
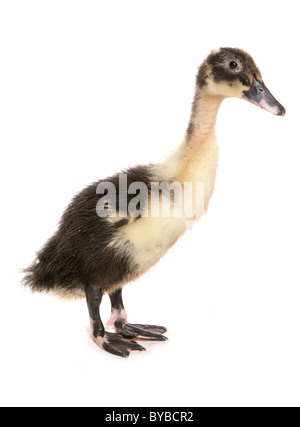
point(116, 351)
point(126, 334)
point(152, 328)
point(118, 342)
point(144, 333)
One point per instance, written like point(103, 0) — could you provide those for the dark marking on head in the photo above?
point(202, 75)
point(244, 79)
point(216, 66)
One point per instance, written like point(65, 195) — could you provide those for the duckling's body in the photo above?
point(92, 254)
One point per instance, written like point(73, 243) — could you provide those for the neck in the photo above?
point(203, 119)
point(199, 145)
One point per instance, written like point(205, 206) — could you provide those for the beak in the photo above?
point(260, 95)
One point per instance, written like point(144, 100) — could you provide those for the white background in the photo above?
point(91, 87)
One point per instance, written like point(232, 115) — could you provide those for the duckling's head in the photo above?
point(229, 72)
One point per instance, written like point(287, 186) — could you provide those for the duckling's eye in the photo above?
point(234, 65)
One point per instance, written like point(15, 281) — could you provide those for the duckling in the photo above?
point(103, 243)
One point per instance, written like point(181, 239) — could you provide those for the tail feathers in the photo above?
point(50, 268)
point(40, 278)
point(35, 279)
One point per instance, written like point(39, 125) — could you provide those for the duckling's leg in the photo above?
point(113, 343)
point(127, 330)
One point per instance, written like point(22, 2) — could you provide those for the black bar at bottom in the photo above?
point(140, 416)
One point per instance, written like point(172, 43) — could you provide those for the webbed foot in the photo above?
point(129, 330)
point(116, 344)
